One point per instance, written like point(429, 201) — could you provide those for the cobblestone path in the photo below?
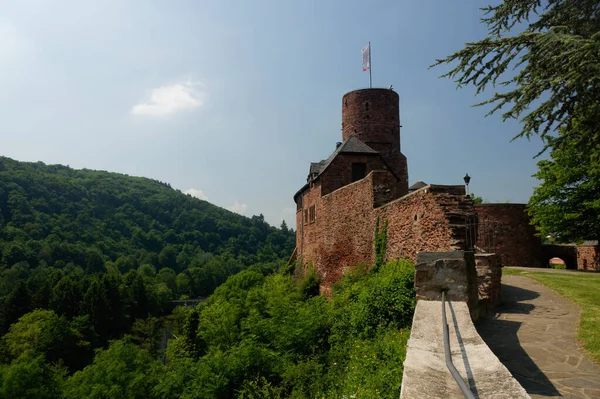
point(534, 333)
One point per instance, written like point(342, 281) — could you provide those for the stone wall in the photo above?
point(373, 116)
point(588, 257)
point(576, 257)
point(339, 172)
point(425, 373)
point(567, 253)
point(342, 235)
point(505, 229)
point(489, 280)
point(430, 219)
point(451, 272)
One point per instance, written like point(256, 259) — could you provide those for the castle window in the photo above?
point(367, 106)
point(306, 216)
point(358, 171)
point(312, 215)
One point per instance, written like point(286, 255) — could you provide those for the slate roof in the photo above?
point(315, 167)
point(350, 146)
point(417, 186)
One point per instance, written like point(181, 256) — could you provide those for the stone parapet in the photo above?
point(489, 276)
point(425, 373)
point(452, 272)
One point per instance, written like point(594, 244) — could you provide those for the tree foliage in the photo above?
point(566, 205)
point(257, 336)
point(542, 57)
point(80, 251)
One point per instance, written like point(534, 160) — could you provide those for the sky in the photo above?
point(230, 101)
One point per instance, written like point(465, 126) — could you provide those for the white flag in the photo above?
point(366, 57)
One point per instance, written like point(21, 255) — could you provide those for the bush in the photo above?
point(559, 266)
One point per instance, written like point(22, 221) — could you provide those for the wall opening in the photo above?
point(358, 171)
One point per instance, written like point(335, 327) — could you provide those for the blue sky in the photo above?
point(233, 99)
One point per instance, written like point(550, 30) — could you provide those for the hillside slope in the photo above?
point(57, 223)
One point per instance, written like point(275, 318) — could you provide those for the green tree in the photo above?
point(43, 332)
point(137, 295)
point(66, 297)
point(96, 305)
point(554, 47)
point(168, 257)
point(14, 306)
point(94, 262)
point(146, 333)
point(566, 205)
point(476, 200)
point(30, 377)
point(123, 371)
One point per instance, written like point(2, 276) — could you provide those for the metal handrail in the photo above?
point(461, 383)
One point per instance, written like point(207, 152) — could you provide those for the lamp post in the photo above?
point(467, 179)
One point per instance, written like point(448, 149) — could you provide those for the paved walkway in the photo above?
point(534, 333)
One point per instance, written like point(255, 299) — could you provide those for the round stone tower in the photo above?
point(373, 116)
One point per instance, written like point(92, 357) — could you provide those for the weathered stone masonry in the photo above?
point(506, 228)
point(364, 179)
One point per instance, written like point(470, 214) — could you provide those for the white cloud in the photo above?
point(169, 99)
point(238, 208)
point(194, 192)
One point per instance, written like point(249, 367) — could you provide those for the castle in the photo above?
point(365, 179)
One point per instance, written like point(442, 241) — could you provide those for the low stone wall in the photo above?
point(489, 279)
point(425, 372)
point(588, 257)
point(451, 272)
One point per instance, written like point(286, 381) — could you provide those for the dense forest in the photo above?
point(106, 249)
point(91, 262)
point(256, 337)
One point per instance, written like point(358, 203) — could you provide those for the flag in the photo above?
point(366, 58)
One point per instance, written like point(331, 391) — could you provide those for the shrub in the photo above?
point(561, 266)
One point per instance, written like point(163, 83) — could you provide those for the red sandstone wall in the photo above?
point(343, 233)
point(415, 223)
point(347, 231)
point(588, 258)
point(508, 228)
point(339, 172)
point(373, 116)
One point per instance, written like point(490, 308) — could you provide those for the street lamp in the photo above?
point(467, 179)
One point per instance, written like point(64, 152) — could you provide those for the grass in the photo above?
point(584, 290)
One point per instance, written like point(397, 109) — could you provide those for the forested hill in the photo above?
point(59, 223)
point(58, 214)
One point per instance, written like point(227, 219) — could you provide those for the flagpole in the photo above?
point(370, 68)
